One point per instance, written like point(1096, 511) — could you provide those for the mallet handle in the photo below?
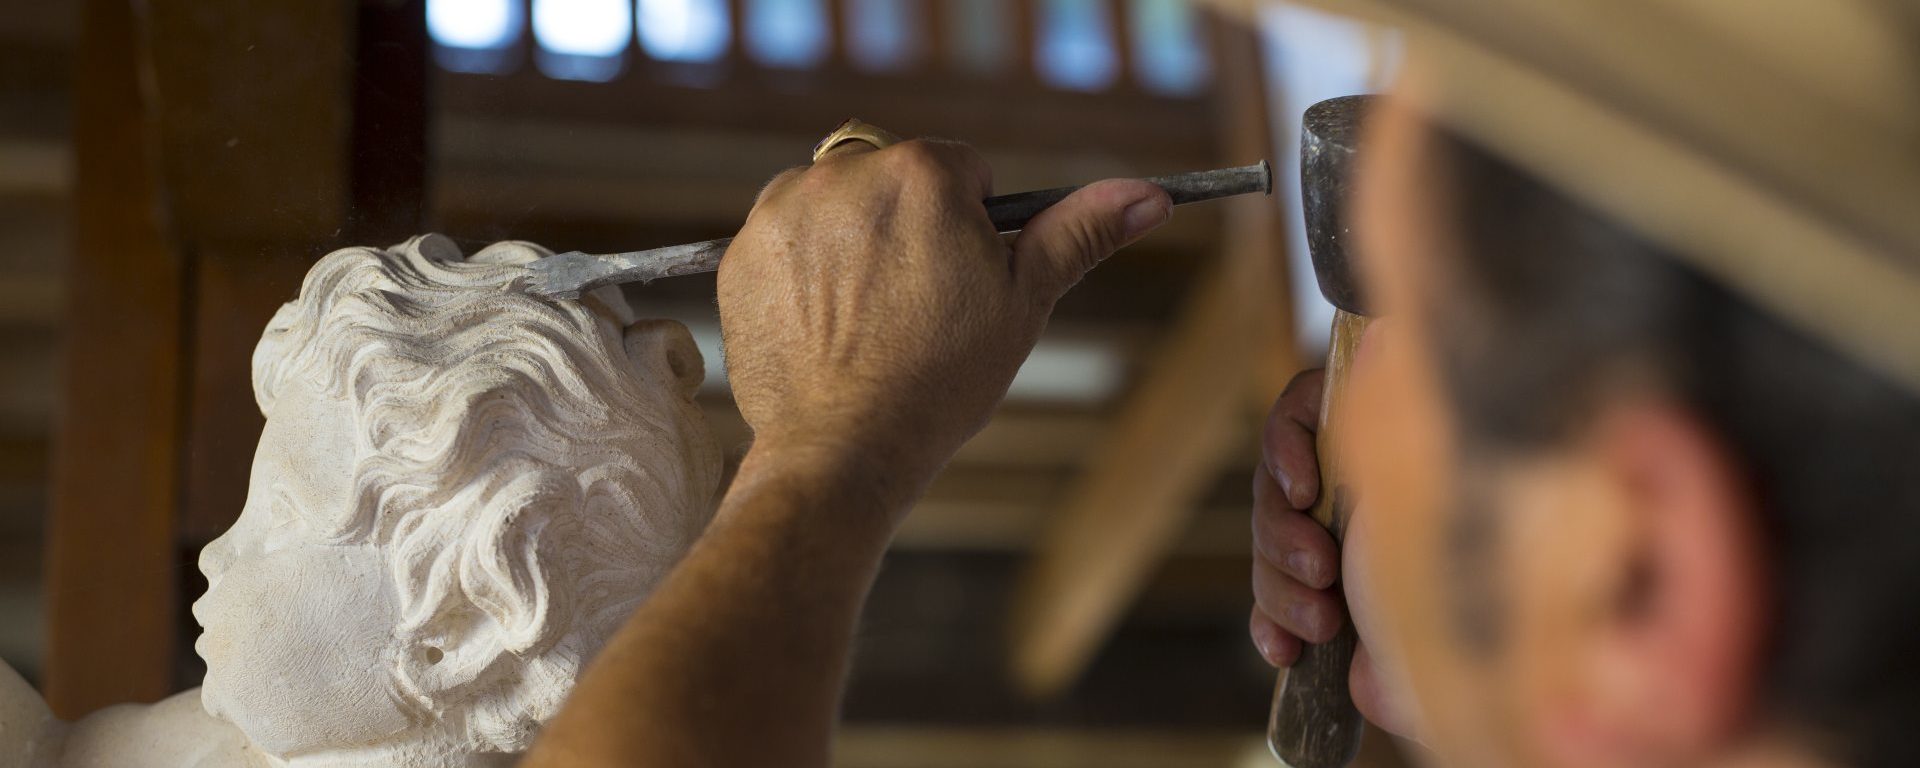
point(1314, 723)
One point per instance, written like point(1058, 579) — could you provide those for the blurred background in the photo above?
point(1074, 590)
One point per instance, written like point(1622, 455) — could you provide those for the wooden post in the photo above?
point(388, 161)
point(1170, 439)
point(116, 458)
point(221, 147)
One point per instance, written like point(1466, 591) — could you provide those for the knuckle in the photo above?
point(963, 156)
point(820, 178)
point(779, 181)
point(917, 160)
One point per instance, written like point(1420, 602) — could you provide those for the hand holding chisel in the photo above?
point(568, 275)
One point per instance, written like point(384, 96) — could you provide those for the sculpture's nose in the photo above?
point(216, 556)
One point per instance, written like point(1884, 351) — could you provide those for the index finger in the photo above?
point(1287, 443)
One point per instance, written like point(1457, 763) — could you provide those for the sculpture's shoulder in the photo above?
point(175, 732)
point(29, 736)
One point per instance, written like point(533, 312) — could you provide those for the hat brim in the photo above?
point(1818, 235)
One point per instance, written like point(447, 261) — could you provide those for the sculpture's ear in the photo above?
point(436, 247)
point(664, 350)
point(493, 602)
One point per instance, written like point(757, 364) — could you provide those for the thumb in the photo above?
point(1064, 242)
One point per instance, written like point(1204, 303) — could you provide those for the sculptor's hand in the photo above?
point(1295, 561)
point(872, 319)
point(868, 305)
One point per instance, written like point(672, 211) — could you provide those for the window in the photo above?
point(478, 36)
point(582, 39)
point(1076, 48)
point(684, 30)
point(789, 34)
point(885, 34)
point(1168, 54)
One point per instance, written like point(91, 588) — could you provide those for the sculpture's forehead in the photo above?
point(308, 451)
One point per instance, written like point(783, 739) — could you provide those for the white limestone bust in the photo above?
point(461, 492)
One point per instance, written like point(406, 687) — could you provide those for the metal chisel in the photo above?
point(568, 275)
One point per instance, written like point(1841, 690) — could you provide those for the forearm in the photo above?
point(739, 657)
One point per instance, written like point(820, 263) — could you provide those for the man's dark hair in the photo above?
point(1553, 306)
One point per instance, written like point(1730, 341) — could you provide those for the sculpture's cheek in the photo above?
point(297, 643)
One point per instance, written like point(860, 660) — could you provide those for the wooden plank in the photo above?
point(1171, 437)
point(115, 476)
point(1011, 113)
point(493, 175)
point(37, 301)
point(33, 167)
point(36, 85)
point(935, 746)
point(1013, 438)
point(29, 379)
point(908, 746)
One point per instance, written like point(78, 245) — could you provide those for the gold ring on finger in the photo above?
point(854, 130)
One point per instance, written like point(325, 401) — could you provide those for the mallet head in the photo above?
point(1328, 134)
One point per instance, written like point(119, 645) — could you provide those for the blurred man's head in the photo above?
point(1624, 516)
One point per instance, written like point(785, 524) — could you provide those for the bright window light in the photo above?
point(886, 33)
point(583, 27)
point(472, 23)
point(1061, 370)
point(1067, 370)
point(684, 30)
point(1168, 55)
point(1076, 45)
point(788, 33)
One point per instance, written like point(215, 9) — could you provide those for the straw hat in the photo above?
point(1774, 144)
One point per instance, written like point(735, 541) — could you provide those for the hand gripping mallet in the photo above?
point(1314, 723)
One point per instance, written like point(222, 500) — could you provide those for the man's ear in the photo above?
point(1666, 671)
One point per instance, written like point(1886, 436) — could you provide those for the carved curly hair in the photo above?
point(530, 468)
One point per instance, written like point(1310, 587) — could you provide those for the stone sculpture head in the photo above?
point(461, 492)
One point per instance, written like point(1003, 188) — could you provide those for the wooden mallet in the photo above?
point(1314, 723)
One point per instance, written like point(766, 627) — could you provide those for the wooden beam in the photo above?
point(36, 167)
point(1135, 498)
point(115, 476)
point(1174, 433)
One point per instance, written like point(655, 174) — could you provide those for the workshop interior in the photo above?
point(1073, 590)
